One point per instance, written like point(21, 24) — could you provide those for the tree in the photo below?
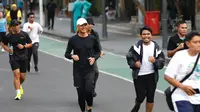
point(139, 6)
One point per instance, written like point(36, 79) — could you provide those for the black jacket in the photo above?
point(136, 53)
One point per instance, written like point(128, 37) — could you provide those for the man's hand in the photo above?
point(20, 46)
point(91, 60)
point(188, 89)
point(152, 59)
point(181, 46)
point(10, 51)
point(29, 27)
point(75, 57)
point(102, 54)
point(138, 64)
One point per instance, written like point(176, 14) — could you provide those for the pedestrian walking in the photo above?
point(51, 10)
point(3, 25)
point(177, 41)
point(14, 13)
point(18, 41)
point(33, 29)
point(145, 59)
point(86, 7)
point(77, 12)
point(85, 52)
point(186, 97)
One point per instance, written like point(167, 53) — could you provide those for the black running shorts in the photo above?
point(19, 64)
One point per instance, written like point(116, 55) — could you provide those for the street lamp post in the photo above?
point(104, 21)
point(41, 13)
point(26, 10)
point(164, 24)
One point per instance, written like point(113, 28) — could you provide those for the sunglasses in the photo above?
point(31, 16)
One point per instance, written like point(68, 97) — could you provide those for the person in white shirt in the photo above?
point(145, 59)
point(33, 29)
point(185, 98)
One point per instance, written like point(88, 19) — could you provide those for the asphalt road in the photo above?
point(51, 90)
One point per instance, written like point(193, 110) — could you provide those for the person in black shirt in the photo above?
point(18, 41)
point(51, 10)
point(177, 42)
point(85, 52)
point(95, 34)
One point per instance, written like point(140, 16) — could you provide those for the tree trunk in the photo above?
point(178, 9)
point(122, 7)
point(139, 6)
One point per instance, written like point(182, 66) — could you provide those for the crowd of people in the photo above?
point(145, 58)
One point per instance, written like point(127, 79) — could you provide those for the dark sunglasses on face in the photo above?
point(31, 16)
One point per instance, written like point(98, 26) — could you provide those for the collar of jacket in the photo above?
point(138, 48)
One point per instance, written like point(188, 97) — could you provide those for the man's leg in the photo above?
point(151, 88)
point(23, 64)
point(35, 55)
point(140, 89)
point(16, 81)
point(184, 106)
point(48, 21)
point(15, 65)
point(52, 22)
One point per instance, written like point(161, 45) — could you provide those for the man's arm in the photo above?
point(172, 48)
point(40, 29)
point(131, 58)
point(160, 61)
point(170, 53)
point(28, 41)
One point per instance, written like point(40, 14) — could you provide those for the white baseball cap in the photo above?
point(81, 21)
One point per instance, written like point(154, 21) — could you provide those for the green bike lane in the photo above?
point(111, 64)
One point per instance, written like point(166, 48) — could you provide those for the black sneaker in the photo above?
point(36, 69)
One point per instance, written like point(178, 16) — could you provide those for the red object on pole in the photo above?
point(152, 19)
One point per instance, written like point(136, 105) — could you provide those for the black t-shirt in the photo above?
point(84, 48)
point(174, 42)
point(15, 39)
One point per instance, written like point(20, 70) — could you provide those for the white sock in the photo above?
point(18, 91)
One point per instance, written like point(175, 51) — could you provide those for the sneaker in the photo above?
point(36, 69)
point(18, 97)
point(21, 90)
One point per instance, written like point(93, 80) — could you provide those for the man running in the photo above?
point(19, 41)
point(33, 29)
point(95, 34)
